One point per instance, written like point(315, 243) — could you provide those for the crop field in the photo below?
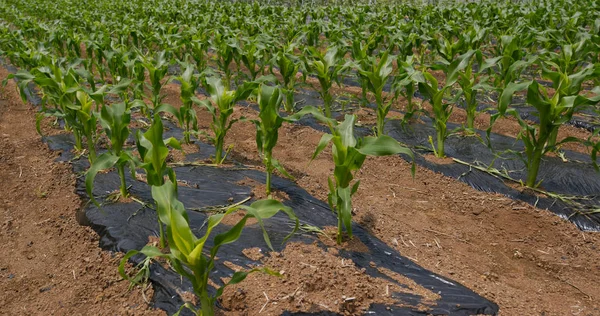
point(295, 157)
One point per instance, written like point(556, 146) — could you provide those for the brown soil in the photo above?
point(179, 155)
point(438, 160)
point(527, 260)
point(259, 190)
point(313, 280)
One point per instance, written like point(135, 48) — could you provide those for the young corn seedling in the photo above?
point(188, 255)
point(360, 54)
point(157, 68)
point(288, 65)
point(87, 121)
point(138, 79)
point(115, 121)
point(441, 111)
point(153, 151)
point(252, 54)
point(227, 48)
point(511, 61)
point(116, 57)
point(349, 154)
point(376, 72)
point(221, 109)
point(441, 108)
point(199, 49)
point(405, 83)
point(186, 115)
point(471, 83)
point(448, 48)
point(327, 68)
point(269, 101)
point(552, 110)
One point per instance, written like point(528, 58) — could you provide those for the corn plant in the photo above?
point(221, 108)
point(448, 48)
point(186, 114)
point(405, 83)
point(87, 121)
point(376, 72)
point(138, 79)
point(441, 108)
point(327, 68)
point(349, 154)
point(511, 61)
point(153, 152)
point(115, 121)
point(360, 54)
point(199, 49)
point(472, 82)
point(289, 66)
point(117, 56)
point(251, 54)
point(227, 49)
point(552, 110)
point(187, 252)
point(269, 101)
point(157, 67)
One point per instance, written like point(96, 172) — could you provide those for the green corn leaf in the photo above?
point(345, 208)
point(102, 162)
point(240, 276)
point(230, 236)
point(325, 139)
point(281, 170)
point(346, 131)
point(507, 94)
point(382, 146)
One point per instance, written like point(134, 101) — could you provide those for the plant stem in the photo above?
point(327, 100)
point(289, 101)
point(538, 153)
point(381, 113)
point(206, 304)
point(123, 186)
point(269, 171)
point(220, 138)
point(471, 103)
point(364, 87)
point(77, 136)
point(440, 141)
point(552, 138)
point(534, 166)
point(227, 79)
point(218, 152)
point(340, 226)
point(410, 91)
point(186, 133)
point(470, 119)
point(91, 149)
